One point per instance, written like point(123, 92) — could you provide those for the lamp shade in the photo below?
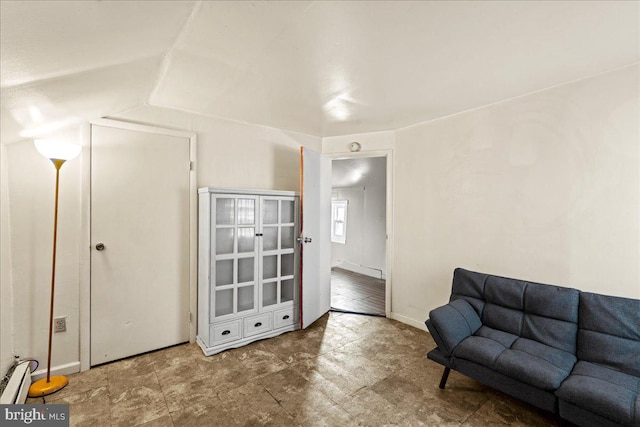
point(60, 150)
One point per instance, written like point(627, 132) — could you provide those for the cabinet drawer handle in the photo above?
point(227, 332)
point(285, 317)
point(257, 325)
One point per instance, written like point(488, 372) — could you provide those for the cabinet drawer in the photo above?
point(257, 324)
point(225, 332)
point(285, 317)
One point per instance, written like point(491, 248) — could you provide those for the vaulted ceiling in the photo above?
point(318, 67)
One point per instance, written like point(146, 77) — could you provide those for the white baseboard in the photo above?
point(360, 269)
point(66, 369)
point(408, 321)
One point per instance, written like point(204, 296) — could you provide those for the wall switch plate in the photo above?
point(60, 324)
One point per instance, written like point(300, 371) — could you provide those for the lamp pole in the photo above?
point(58, 164)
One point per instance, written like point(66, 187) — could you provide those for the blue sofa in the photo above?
point(575, 354)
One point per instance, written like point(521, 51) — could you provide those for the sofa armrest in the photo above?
point(450, 324)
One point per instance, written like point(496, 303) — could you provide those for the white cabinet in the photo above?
point(248, 266)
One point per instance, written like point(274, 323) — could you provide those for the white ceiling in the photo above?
point(360, 172)
point(324, 68)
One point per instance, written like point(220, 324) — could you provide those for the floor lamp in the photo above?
point(58, 152)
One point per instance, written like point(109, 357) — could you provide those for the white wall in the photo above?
point(371, 142)
point(233, 154)
point(6, 298)
point(230, 154)
point(544, 187)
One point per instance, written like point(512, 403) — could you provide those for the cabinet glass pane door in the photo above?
point(287, 237)
point(278, 244)
point(286, 293)
point(269, 293)
point(246, 211)
point(269, 238)
point(286, 265)
point(224, 240)
point(224, 272)
point(246, 270)
point(225, 211)
point(270, 267)
point(246, 298)
point(235, 268)
point(288, 211)
point(224, 302)
point(246, 239)
point(270, 212)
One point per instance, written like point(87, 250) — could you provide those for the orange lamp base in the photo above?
point(42, 387)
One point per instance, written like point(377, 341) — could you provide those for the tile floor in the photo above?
point(356, 292)
point(344, 370)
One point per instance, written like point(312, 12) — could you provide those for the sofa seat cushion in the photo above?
point(504, 338)
point(561, 359)
point(480, 350)
point(536, 364)
point(612, 394)
point(485, 346)
point(523, 359)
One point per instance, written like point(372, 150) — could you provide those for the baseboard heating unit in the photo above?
point(15, 384)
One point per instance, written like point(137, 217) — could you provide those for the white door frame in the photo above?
point(85, 248)
point(388, 154)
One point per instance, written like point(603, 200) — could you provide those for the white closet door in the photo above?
point(140, 213)
point(315, 223)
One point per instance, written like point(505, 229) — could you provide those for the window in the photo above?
point(339, 221)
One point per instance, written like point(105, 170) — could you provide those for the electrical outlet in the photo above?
point(60, 324)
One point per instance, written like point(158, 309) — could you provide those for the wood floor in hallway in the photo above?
point(357, 293)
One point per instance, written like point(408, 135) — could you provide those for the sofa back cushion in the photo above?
point(544, 313)
point(610, 332)
point(504, 307)
point(551, 316)
point(469, 285)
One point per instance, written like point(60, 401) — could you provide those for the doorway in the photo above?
point(141, 231)
point(359, 235)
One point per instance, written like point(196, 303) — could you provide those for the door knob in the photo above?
point(100, 247)
point(303, 239)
